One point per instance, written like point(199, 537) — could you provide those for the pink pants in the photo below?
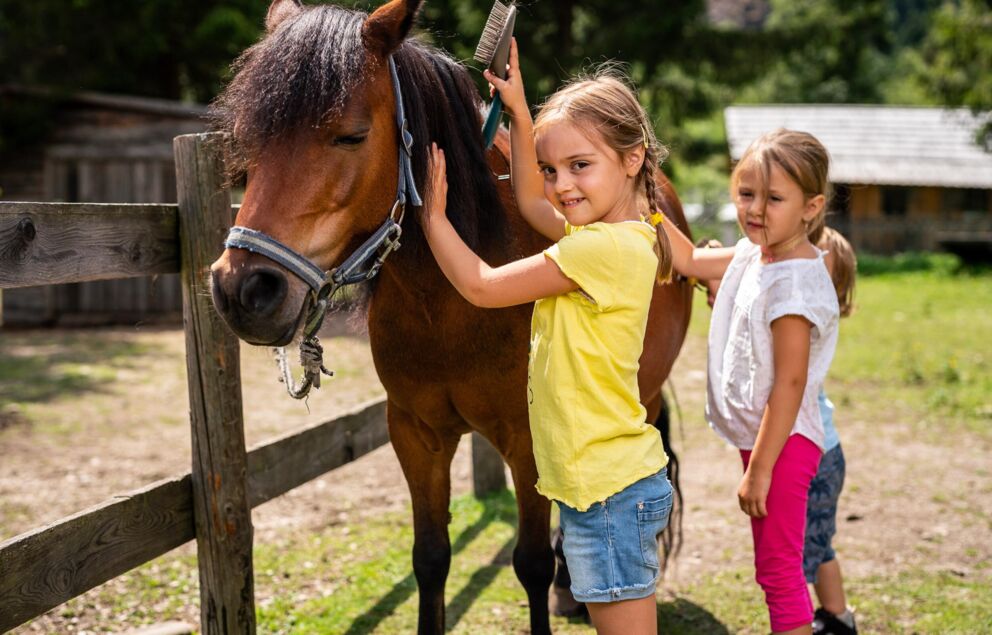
point(779, 536)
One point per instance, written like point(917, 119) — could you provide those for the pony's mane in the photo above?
point(301, 74)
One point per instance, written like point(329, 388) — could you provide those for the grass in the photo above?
point(356, 580)
point(914, 354)
point(918, 341)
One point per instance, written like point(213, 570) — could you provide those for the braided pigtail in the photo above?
point(606, 106)
point(653, 156)
point(662, 247)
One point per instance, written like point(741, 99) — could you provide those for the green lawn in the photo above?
point(920, 340)
point(914, 358)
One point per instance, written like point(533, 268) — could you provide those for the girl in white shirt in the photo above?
point(772, 338)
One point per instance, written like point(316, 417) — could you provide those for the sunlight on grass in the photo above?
point(918, 343)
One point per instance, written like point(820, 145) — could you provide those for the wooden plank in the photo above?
point(49, 243)
point(213, 370)
point(488, 473)
point(302, 455)
point(53, 564)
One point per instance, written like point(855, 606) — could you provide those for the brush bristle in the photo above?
point(491, 33)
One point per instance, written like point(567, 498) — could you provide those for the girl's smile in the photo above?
point(586, 181)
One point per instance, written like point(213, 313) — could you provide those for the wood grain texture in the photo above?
point(288, 462)
point(488, 471)
point(220, 500)
point(49, 243)
point(44, 568)
point(48, 566)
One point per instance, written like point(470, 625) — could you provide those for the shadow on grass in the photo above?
point(481, 579)
point(496, 507)
point(40, 366)
point(682, 617)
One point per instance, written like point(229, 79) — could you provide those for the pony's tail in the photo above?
point(671, 537)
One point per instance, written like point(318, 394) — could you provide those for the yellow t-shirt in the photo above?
point(590, 435)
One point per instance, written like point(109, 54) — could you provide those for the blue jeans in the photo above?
point(612, 548)
point(821, 512)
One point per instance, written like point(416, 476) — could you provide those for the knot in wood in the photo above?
point(26, 230)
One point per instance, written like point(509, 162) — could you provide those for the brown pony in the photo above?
point(311, 114)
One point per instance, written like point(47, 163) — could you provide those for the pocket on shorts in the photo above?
point(652, 518)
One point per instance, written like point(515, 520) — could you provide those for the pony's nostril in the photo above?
point(263, 291)
point(219, 297)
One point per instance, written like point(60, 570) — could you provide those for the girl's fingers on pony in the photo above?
point(438, 193)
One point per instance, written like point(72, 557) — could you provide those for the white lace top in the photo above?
point(741, 368)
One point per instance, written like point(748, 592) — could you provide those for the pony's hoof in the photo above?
point(563, 604)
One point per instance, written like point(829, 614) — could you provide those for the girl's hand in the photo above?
point(511, 90)
point(753, 493)
point(437, 192)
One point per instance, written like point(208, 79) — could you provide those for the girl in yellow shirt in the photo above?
point(583, 175)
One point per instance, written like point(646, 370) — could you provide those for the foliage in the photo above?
point(687, 68)
point(957, 57)
point(174, 49)
point(834, 52)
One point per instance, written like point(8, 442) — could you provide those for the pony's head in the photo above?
point(310, 116)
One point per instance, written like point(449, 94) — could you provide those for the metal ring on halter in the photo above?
point(372, 253)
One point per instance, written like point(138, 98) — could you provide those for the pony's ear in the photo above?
point(388, 26)
point(279, 10)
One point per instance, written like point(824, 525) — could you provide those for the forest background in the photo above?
point(689, 58)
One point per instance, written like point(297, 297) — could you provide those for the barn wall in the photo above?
point(101, 156)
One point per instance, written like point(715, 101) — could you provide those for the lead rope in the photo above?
point(311, 359)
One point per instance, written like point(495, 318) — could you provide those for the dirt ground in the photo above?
point(904, 507)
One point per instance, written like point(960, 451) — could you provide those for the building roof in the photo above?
point(128, 103)
point(883, 145)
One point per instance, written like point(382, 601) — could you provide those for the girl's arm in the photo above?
point(517, 282)
point(704, 263)
point(790, 344)
point(528, 182)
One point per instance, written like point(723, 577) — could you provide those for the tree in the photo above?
point(174, 49)
point(957, 56)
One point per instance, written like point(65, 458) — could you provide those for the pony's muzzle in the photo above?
point(262, 291)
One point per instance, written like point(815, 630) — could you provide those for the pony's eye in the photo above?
point(352, 140)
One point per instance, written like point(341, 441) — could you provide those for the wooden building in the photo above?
point(102, 149)
point(904, 178)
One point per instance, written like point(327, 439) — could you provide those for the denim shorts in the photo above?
point(612, 548)
point(821, 512)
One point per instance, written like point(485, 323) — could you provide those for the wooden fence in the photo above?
point(48, 243)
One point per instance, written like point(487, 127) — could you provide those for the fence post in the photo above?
point(488, 474)
point(220, 502)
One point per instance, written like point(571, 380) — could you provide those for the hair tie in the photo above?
point(656, 219)
point(644, 132)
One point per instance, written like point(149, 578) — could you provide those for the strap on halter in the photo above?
point(361, 265)
point(406, 183)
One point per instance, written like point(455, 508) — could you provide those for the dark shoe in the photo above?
point(561, 602)
point(826, 623)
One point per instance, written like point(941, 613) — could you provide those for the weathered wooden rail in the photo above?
point(48, 243)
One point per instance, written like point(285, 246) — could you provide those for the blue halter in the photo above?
point(361, 265)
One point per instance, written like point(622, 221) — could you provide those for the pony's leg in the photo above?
point(533, 559)
point(425, 457)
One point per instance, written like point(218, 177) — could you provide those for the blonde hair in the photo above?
point(844, 269)
point(605, 106)
point(801, 156)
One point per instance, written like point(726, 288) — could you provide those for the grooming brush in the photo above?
point(494, 50)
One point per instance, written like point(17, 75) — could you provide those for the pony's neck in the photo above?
point(442, 105)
